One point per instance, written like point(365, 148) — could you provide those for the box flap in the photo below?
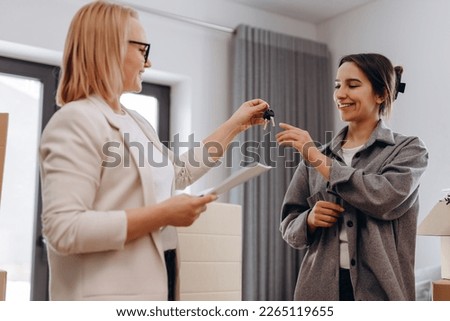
point(2, 285)
point(3, 132)
point(437, 222)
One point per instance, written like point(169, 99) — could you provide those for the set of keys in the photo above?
point(269, 117)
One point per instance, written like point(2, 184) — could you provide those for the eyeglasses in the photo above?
point(146, 50)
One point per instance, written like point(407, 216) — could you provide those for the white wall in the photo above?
point(416, 35)
point(195, 60)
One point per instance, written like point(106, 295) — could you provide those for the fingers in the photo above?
point(287, 126)
point(205, 199)
point(197, 212)
point(296, 137)
point(248, 113)
point(330, 205)
point(328, 209)
point(183, 209)
point(200, 203)
point(324, 214)
point(288, 130)
point(257, 106)
point(257, 119)
point(258, 103)
point(286, 137)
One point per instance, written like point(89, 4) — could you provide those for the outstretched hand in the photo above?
point(295, 137)
point(302, 141)
point(249, 113)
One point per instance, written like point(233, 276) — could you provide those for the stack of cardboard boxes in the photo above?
point(3, 131)
point(437, 223)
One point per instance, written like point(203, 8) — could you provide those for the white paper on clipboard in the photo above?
point(239, 177)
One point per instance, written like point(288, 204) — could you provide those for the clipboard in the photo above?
point(239, 177)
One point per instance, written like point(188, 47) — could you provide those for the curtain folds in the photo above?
point(293, 76)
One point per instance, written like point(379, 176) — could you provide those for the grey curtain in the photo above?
point(293, 76)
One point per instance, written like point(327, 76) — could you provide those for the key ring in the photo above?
point(269, 116)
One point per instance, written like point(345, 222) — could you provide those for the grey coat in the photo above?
point(380, 195)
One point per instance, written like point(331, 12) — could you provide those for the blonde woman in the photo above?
point(109, 227)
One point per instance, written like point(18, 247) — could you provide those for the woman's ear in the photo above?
point(381, 98)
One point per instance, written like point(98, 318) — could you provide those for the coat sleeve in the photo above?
point(295, 209)
point(70, 161)
point(383, 194)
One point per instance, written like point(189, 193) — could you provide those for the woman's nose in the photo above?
point(340, 92)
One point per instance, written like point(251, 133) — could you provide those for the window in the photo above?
point(27, 90)
point(153, 103)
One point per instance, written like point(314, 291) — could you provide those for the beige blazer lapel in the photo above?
point(145, 175)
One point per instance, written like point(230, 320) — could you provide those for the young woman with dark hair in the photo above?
point(353, 204)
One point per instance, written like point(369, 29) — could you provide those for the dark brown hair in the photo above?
point(384, 77)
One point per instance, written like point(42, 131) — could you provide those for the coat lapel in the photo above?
point(144, 174)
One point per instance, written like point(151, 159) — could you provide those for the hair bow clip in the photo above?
point(399, 87)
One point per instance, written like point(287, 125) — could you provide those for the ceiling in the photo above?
point(313, 11)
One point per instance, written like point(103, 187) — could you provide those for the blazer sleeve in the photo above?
point(70, 161)
point(191, 165)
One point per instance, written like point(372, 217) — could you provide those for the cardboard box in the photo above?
point(3, 132)
point(2, 285)
point(437, 223)
point(441, 290)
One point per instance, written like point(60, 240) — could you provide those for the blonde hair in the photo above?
point(94, 52)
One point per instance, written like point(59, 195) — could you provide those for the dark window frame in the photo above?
point(162, 94)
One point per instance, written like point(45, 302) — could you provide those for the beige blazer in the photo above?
point(88, 179)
